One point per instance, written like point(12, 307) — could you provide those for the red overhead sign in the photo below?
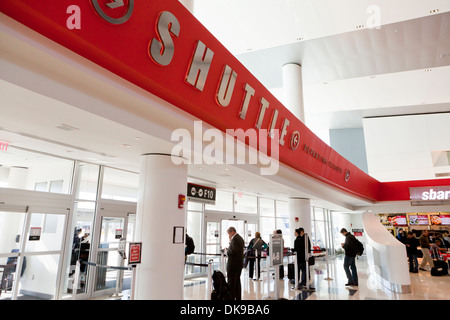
point(159, 46)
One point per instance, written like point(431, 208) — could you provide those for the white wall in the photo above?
point(403, 147)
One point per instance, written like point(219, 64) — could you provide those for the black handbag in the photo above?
point(311, 261)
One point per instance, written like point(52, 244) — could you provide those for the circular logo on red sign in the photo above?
point(295, 140)
point(347, 175)
point(118, 11)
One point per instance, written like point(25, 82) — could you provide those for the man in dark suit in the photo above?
point(235, 263)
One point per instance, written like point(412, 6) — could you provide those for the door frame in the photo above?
point(106, 208)
point(29, 202)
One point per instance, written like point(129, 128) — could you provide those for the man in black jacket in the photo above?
point(411, 249)
point(300, 248)
point(349, 259)
point(235, 263)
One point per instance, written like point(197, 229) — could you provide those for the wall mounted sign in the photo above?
point(135, 253)
point(202, 194)
point(35, 234)
point(178, 235)
point(430, 193)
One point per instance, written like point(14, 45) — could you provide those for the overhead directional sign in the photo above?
point(202, 194)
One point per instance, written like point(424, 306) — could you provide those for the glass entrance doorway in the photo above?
point(246, 229)
point(111, 226)
point(31, 248)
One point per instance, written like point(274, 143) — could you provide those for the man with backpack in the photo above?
point(351, 250)
point(189, 248)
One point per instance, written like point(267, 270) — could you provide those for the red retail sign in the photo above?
point(134, 256)
point(159, 46)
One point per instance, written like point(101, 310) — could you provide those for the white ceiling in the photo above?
point(360, 58)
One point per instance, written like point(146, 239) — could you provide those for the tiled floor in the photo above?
point(423, 285)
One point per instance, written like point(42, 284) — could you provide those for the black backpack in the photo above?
point(189, 245)
point(221, 288)
point(359, 247)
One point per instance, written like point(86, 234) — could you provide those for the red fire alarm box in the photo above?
point(181, 200)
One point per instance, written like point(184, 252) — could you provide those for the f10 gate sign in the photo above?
point(202, 194)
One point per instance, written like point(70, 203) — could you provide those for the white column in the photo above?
point(299, 209)
point(293, 90)
point(161, 273)
point(189, 4)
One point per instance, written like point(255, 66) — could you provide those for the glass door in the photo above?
point(111, 225)
point(12, 222)
point(35, 239)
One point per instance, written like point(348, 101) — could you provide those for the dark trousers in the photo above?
point(350, 270)
point(413, 263)
point(251, 267)
point(234, 281)
point(302, 269)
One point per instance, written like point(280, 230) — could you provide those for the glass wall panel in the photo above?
point(282, 209)
point(50, 228)
point(11, 226)
point(245, 204)
point(224, 202)
point(283, 225)
point(194, 206)
point(39, 277)
point(266, 207)
point(80, 246)
point(267, 226)
point(120, 185)
point(87, 183)
point(23, 169)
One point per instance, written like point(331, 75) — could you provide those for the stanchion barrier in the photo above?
point(328, 266)
point(295, 271)
point(76, 278)
point(307, 255)
point(210, 286)
point(116, 294)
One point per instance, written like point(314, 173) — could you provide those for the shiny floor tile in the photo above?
point(329, 284)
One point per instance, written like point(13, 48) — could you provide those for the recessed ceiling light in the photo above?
point(137, 138)
point(125, 145)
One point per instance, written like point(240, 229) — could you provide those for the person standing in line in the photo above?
point(349, 259)
point(235, 263)
point(424, 242)
point(299, 247)
point(401, 236)
point(256, 245)
point(411, 244)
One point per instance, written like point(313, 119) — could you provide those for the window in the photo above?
point(245, 204)
point(26, 170)
point(224, 202)
point(120, 185)
point(87, 181)
point(266, 207)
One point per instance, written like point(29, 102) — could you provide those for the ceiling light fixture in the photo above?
point(125, 145)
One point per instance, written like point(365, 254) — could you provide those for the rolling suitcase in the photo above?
point(282, 271)
point(291, 271)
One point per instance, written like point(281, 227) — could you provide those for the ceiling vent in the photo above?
point(442, 174)
point(66, 127)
